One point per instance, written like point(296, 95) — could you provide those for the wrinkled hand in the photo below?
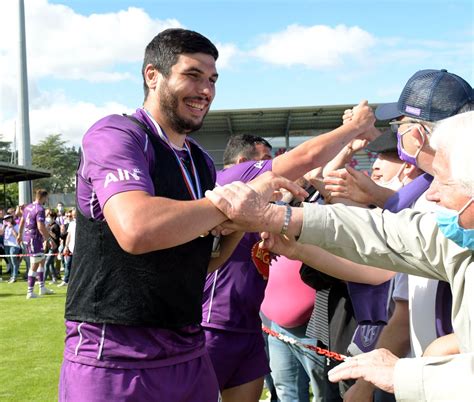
point(376, 367)
point(351, 184)
point(278, 244)
point(247, 205)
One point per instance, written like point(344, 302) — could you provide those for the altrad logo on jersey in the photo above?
point(122, 175)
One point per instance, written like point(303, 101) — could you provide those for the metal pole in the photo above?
point(24, 147)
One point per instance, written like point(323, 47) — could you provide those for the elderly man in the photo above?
point(425, 244)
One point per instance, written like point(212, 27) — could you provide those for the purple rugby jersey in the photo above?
point(233, 293)
point(117, 157)
point(33, 213)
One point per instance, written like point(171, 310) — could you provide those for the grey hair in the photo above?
point(454, 136)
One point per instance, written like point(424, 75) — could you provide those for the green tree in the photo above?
point(5, 150)
point(52, 154)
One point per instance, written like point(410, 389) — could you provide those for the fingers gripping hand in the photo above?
point(376, 367)
point(336, 183)
point(278, 244)
point(347, 116)
point(364, 117)
point(350, 183)
point(233, 199)
point(268, 183)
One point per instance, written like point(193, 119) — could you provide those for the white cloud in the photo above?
point(317, 46)
point(68, 45)
point(64, 44)
point(71, 119)
point(227, 55)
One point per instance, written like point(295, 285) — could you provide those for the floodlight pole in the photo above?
point(24, 146)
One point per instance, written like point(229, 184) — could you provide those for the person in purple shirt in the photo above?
point(133, 307)
point(33, 232)
point(233, 293)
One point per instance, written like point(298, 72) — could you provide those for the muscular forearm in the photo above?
point(142, 223)
point(313, 153)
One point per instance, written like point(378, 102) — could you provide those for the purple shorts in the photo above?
point(192, 381)
point(238, 358)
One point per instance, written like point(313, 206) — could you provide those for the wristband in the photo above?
point(286, 222)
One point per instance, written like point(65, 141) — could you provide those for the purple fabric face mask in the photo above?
point(404, 155)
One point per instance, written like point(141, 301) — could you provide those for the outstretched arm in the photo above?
point(321, 149)
point(163, 222)
point(356, 186)
point(324, 261)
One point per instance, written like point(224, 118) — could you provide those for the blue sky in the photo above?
point(85, 56)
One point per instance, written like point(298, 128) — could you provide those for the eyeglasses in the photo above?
point(395, 124)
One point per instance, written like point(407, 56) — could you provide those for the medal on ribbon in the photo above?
point(261, 258)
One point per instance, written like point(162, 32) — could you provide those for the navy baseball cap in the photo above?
point(429, 95)
point(386, 142)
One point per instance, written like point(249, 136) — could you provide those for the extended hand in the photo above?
point(376, 367)
point(278, 244)
point(247, 205)
point(364, 117)
point(352, 184)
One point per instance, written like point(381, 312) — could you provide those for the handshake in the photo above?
point(248, 207)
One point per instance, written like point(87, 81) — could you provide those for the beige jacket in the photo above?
point(410, 242)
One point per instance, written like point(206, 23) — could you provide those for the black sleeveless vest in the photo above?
point(157, 289)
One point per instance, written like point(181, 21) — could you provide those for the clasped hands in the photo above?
point(248, 206)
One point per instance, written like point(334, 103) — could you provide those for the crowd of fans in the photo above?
point(58, 247)
point(319, 308)
point(316, 307)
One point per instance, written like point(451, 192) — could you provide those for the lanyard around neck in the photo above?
point(193, 186)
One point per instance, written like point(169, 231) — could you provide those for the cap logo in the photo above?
point(413, 110)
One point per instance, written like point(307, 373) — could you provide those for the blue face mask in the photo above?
point(448, 223)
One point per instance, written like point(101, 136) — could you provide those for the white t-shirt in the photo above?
point(9, 239)
point(422, 297)
point(71, 231)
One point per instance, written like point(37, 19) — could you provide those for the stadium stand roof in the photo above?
point(283, 127)
point(13, 173)
point(274, 122)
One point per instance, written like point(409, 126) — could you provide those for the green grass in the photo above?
point(31, 343)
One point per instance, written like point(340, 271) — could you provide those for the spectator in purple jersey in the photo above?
point(32, 231)
point(234, 292)
point(133, 308)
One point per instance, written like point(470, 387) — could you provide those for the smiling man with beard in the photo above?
point(143, 246)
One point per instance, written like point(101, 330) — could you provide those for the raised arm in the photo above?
point(321, 149)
